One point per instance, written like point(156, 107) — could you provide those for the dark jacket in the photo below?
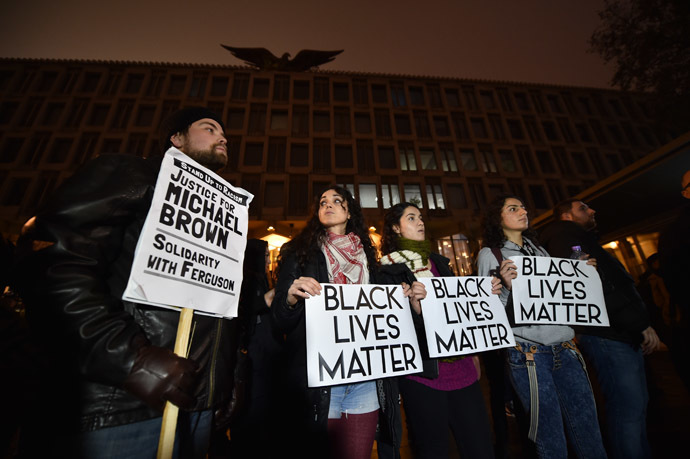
point(674, 252)
point(313, 403)
point(429, 365)
point(73, 265)
point(626, 310)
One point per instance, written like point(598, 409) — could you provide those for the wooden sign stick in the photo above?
point(166, 442)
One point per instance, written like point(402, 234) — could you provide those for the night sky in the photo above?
point(537, 41)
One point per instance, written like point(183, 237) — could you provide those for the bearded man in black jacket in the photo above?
point(616, 351)
point(111, 364)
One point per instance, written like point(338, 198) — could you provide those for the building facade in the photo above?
point(446, 144)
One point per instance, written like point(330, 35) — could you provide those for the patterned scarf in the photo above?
point(347, 262)
point(423, 248)
point(413, 260)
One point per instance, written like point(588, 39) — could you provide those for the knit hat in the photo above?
point(180, 120)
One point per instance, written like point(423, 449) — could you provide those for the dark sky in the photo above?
point(542, 41)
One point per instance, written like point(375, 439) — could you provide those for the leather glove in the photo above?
point(159, 375)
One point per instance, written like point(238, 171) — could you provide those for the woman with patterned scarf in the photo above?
point(447, 393)
point(334, 247)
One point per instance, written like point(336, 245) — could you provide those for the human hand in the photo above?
point(590, 261)
point(650, 341)
point(415, 293)
point(302, 288)
point(508, 272)
point(268, 297)
point(496, 285)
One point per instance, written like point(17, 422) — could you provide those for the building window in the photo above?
point(504, 99)
point(10, 149)
point(497, 127)
point(341, 92)
point(86, 148)
point(343, 157)
point(537, 101)
point(123, 112)
point(421, 124)
point(155, 84)
point(365, 157)
point(300, 120)
point(298, 196)
point(522, 101)
point(470, 98)
point(598, 132)
point(68, 81)
point(382, 121)
point(362, 123)
point(16, 191)
point(300, 89)
point(277, 151)
point(299, 155)
point(580, 162)
point(427, 159)
point(434, 196)
point(33, 106)
point(360, 92)
point(452, 97)
point(321, 91)
point(488, 100)
point(90, 82)
point(240, 86)
point(507, 159)
point(434, 92)
point(541, 201)
point(341, 121)
point(615, 132)
point(448, 161)
point(488, 161)
point(390, 193)
point(136, 145)
point(456, 196)
point(550, 131)
point(322, 156)
point(479, 128)
point(379, 93)
point(566, 130)
point(279, 119)
point(257, 119)
point(367, 196)
point(281, 88)
point(468, 160)
point(526, 161)
point(145, 115)
point(561, 159)
point(477, 195)
point(253, 153)
point(398, 95)
point(387, 157)
point(402, 124)
point(441, 126)
point(554, 103)
point(583, 132)
point(52, 113)
point(176, 85)
point(416, 95)
point(407, 158)
point(545, 161)
point(322, 121)
point(274, 193)
point(236, 118)
point(413, 194)
point(515, 130)
point(219, 86)
point(460, 125)
point(260, 89)
point(99, 113)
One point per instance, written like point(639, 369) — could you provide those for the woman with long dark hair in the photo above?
point(334, 247)
point(447, 393)
point(545, 367)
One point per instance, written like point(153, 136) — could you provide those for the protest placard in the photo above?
point(358, 333)
point(462, 316)
point(191, 248)
point(557, 291)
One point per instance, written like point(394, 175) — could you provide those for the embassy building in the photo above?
point(446, 144)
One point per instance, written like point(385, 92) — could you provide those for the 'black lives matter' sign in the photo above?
point(558, 291)
point(358, 333)
point(462, 316)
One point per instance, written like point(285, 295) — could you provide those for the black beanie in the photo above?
point(181, 120)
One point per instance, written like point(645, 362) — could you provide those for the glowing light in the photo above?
point(275, 241)
point(372, 228)
point(612, 245)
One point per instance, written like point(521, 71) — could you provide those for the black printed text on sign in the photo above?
point(558, 291)
point(191, 248)
point(358, 333)
point(462, 316)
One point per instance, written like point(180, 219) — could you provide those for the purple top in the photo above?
point(451, 375)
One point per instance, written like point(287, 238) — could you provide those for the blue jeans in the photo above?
point(620, 372)
point(139, 440)
point(566, 403)
point(358, 398)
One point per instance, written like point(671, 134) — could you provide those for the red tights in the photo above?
point(352, 436)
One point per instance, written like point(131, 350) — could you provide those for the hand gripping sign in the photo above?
point(358, 333)
point(190, 253)
point(462, 316)
point(557, 291)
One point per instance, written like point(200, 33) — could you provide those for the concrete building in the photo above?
point(447, 144)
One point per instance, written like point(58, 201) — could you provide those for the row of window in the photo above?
point(301, 120)
point(241, 86)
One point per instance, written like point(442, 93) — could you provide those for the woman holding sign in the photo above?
point(447, 393)
point(545, 367)
point(335, 248)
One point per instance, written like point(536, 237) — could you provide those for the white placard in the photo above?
point(191, 248)
point(462, 316)
point(558, 291)
point(358, 333)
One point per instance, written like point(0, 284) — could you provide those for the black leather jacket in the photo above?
point(72, 267)
point(315, 401)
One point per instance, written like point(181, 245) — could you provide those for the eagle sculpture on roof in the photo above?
point(263, 59)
